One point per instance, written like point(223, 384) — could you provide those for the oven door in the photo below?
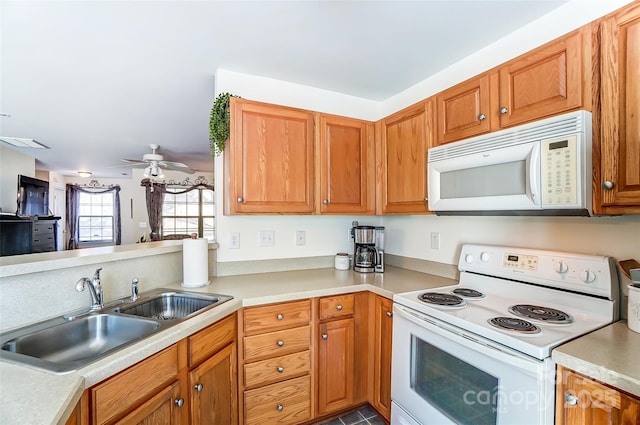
point(443, 375)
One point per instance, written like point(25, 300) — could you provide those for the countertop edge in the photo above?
point(587, 355)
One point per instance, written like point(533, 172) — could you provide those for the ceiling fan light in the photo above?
point(147, 171)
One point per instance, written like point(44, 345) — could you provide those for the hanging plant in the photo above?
point(219, 124)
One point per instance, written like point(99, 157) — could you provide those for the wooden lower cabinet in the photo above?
point(336, 351)
point(275, 362)
point(213, 389)
point(382, 330)
point(161, 409)
point(132, 388)
point(191, 382)
point(286, 402)
point(343, 366)
point(583, 401)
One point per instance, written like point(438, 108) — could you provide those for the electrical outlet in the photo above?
point(435, 240)
point(234, 240)
point(300, 237)
point(267, 237)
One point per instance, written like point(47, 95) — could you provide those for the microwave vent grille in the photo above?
point(549, 128)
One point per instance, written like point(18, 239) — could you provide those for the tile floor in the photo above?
point(363, 416)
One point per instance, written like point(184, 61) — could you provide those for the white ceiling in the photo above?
point(101, 80)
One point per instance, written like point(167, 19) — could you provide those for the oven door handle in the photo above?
point(457, 335)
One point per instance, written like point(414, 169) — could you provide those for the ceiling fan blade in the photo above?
point(133, 161)
point(176, 166)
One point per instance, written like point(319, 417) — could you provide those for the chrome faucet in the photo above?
point(95, 289)
point(134, 289)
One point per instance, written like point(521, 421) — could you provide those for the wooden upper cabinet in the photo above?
point(543, 82)
point(617, 175)
point(405, 138)
point(270, 159)
point(347, 165)
point(464, 110)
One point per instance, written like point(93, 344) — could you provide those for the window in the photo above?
point(189, 212)
point(95, 217)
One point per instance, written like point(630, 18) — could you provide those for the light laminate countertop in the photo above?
point(610, 355)
point(32, 396)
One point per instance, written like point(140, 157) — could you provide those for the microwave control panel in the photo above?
point(559, 159)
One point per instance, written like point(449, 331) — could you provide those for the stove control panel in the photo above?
point(589, 274)
point(520, 261)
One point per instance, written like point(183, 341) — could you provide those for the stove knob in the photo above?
point(588, 276)
point(561, 267)
point(484, 257)
point(468, 258)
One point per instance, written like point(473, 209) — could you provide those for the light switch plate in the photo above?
point(234, 240)
point(267, 237)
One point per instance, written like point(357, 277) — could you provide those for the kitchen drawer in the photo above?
point(277, 369)
point(132, 386)
point(287, 402)
point(211, 340)
point(43, 228)
point(338, 306)
point(276, 316)
point(278, 343)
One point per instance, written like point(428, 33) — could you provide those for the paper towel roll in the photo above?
point(195, 262)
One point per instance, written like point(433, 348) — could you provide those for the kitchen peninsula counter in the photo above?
point(609, 355)
point(31, 396)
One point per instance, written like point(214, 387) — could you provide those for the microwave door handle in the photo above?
point(534, 174)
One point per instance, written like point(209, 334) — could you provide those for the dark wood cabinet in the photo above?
point(27, 236)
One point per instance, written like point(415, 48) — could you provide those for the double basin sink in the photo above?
point(68, 343)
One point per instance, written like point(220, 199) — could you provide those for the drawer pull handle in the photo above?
point(389, 314)
point(280, 407)
point(198, 387)
point(280, 369)
point(280, 343)
point(571, 399)
point(179, 402)
point(280, 316)
point(325, 336)
point(339, 307)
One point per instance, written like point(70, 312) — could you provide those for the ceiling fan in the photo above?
point(153, 163)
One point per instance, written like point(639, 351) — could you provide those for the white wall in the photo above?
point(409, 236)
point(13, 163)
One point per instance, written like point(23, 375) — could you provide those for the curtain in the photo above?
point(155, 199)
point(73, 199)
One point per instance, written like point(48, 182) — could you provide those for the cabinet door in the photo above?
point(618, 189)
point(383, 327)
point(544, 82)
point(581, 401)
point(214, 389)
point(270, 164)
point(347, 165)
point(405, 138)
point(127, 390)
point(336, 351)
point(463, 110)
point(164, 408)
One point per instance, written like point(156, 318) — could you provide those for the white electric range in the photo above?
point(480, 351)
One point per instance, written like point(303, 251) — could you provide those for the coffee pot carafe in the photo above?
point(368, 249)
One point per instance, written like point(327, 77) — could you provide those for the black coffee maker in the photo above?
point(369, 249)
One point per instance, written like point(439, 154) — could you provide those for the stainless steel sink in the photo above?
point(70, 342)
point(172, 305)
point(67, 345)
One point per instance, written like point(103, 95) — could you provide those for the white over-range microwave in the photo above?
point(540, 168)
